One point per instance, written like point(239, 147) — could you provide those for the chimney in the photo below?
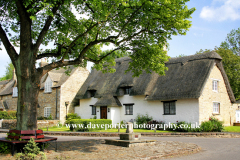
point(43, 62)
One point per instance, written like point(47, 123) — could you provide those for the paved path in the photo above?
point(212, 148)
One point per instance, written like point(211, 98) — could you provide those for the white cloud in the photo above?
point(228, 10)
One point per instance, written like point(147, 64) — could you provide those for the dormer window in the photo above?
point(48, 85)
point(127, 90)
point(92, 92)
point(15, 92)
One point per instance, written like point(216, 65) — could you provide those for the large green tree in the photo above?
point(140, 27)
point(231, 66)
point(8, 72)
point(233, 41)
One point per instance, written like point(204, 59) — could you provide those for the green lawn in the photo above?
point(232, 129)
point(55, 128)
point(65, 129)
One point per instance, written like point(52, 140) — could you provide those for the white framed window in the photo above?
point(47, 111)
point(15, 92)
point(215, 85)
point(128, 109)
point(216, 107)
point(169, 108)
point(48, 85)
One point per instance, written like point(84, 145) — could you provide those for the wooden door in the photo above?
point(103, 112)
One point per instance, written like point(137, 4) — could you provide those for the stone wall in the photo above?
point(69, 90)
point(11, 124)
point(208, 96)
point(11, 101)
point(49, 100)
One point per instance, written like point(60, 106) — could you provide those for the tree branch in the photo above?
point(75, 40)
point(97, 61)
point(53, 65)
point(89, 6)
point(8, 46)
point(130, 37)
point(51, 54)
point(43, 55)
point(46, 27)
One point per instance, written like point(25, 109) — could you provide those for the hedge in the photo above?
point(88, 124)
point(8, 114)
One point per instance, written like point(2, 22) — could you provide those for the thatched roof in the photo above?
point(185, 78)
point(57, 76)
point(8, 87)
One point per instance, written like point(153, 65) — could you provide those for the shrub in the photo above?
point(155, 124)
point(95, 124)
point(4, 147)
point(182, 126)
point(213, 125)
point(31, 150)
point(45, 118)
point(141, 119)
point(8, 114)
point(73, 116)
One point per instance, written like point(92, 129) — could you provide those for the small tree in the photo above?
point(232, 41)
point(8, 72)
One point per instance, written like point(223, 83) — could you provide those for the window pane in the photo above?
point(127, 109)
point(172, 108)
point(166, 108)
point(216, 107)
point(131, 110)
point(93, 110)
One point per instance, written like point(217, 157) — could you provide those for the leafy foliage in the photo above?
point(143, 119)
point(8, 114)
point(5, 147)
point(79, 29)
point(232, 41)
point(8, 72)
point(213, 125)
point(231, 66)
point(45, 118)
point(31, 151)
point(73, 116)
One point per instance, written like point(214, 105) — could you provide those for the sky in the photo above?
point(211, 22)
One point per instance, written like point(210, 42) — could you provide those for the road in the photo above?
point(212, 148)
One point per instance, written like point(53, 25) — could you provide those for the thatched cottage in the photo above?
point(194, 88)
point(56, 93)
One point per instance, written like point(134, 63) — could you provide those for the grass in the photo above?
point(65, 129)
point(232, 129)
point(55, 128)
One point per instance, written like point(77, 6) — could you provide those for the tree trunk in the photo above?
point(28, 82)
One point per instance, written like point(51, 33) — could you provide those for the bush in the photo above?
point(143, 119)
point(31, 151)
point(8, 114)
point(213, 125)
point(156, 124)
point(45, 118)
point(182, 126)
point(73, 116)
point(85, 124)
point(4, 147)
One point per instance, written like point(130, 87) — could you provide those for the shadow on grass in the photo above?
point(79, 145)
